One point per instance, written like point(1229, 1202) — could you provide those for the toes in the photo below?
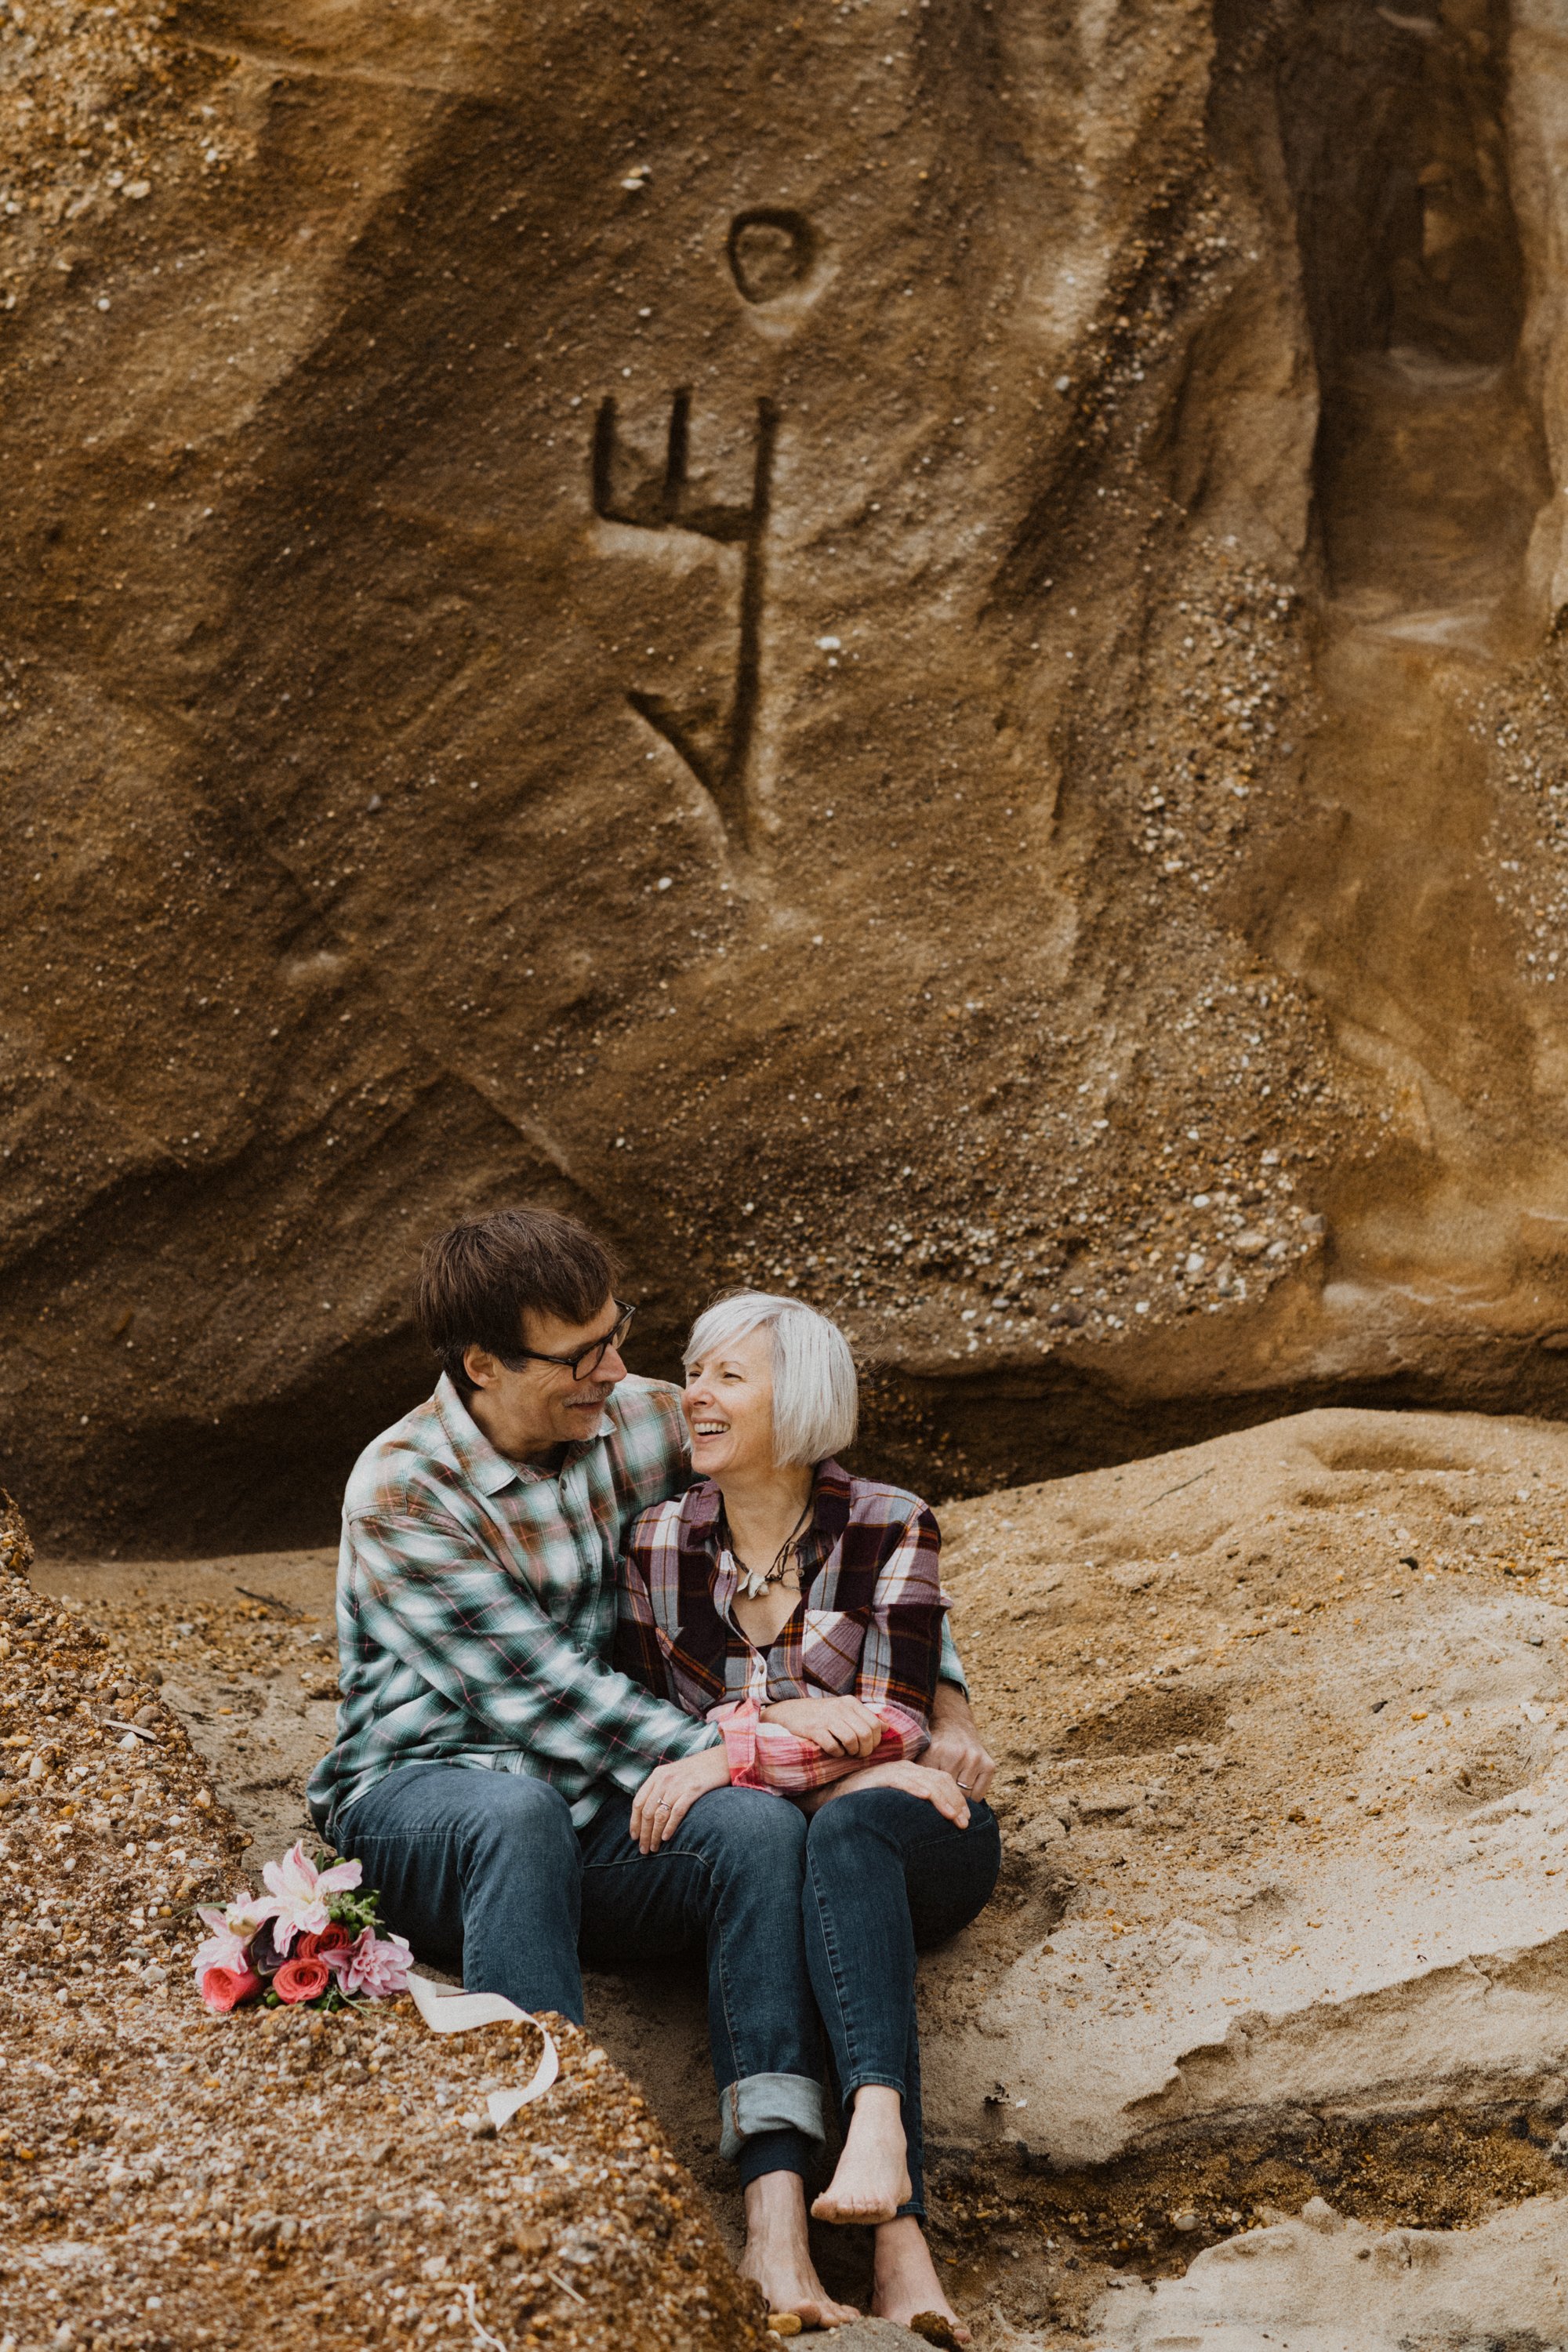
point(824, 2314)
point(851, 2214)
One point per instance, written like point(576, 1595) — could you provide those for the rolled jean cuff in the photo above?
point(775, 2151)
point(765, 2102)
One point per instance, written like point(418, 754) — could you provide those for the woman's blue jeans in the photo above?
point(485, 1874)
point(885, 1874)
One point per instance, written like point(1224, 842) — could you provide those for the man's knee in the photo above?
point(523, 1822)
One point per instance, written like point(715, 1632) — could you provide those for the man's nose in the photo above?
point(611, 1367)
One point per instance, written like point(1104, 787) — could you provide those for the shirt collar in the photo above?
point(477, 1460)
point(829, 1513)
point(480, 1463)
point(702, 1508)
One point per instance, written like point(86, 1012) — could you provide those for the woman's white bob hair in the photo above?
point(816, 1396)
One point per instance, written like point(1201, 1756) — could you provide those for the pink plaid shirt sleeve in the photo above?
point(766, 1755)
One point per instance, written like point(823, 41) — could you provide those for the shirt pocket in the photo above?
point(830, 1646)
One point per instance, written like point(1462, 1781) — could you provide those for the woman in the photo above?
point(799, 1607)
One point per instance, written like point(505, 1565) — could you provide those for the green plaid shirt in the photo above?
point(477, 1605)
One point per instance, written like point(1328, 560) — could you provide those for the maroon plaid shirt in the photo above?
point(868, 1626)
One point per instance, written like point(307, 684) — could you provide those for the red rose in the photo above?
point(226, 1989)
point(300, 1980)
point(332, 1938)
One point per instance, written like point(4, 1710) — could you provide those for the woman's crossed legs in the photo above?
point(885, 1874)
point(730, 1877)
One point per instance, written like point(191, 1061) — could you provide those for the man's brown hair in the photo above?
point(479, 1279)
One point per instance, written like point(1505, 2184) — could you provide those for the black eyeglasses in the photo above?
point(586, 1361)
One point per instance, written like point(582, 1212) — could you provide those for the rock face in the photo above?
point(1285, 1792)
point(910, 653)
point(1285, 1710)
point(1321, 2282)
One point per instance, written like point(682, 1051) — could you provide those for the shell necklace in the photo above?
point(755, 1581)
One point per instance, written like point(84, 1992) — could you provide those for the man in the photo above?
point(515, 1800)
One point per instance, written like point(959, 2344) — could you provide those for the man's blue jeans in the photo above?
point(485, 1876)
point(884, 1874)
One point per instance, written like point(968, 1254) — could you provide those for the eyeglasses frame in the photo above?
point(597, 1349)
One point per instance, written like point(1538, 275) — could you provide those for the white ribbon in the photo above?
point(459, 2012)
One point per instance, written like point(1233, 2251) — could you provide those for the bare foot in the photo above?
point(778, 2255)
point(872, 2179)
point(906, 2279)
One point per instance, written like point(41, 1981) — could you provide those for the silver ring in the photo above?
point(964, 1786)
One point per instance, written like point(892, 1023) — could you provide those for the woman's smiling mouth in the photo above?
point(710, 1429)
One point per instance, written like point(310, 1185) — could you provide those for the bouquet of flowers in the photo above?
point(311, 1940)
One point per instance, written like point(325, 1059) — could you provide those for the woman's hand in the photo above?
point(670, 1790)
point(838, 1726)
point(956, 1745)
point(938, 1789)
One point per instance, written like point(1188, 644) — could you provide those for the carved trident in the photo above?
point(665, 505)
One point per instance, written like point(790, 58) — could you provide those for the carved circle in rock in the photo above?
point(772, 252)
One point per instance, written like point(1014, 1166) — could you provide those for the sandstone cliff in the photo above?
point(908, 650)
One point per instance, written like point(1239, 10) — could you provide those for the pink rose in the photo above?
point(301, 1980)
point(226, 1989)
point(332, 1938)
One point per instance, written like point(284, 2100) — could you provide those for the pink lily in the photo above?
point(230, 1935)
point(297, 1902)
point(378, 1965)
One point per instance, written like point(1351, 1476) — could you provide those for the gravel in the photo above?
point(169, 2179)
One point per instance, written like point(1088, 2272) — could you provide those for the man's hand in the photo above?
point(670, 1790)
point(956, 1745)
point(838, 1726)
point(938, 1789)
